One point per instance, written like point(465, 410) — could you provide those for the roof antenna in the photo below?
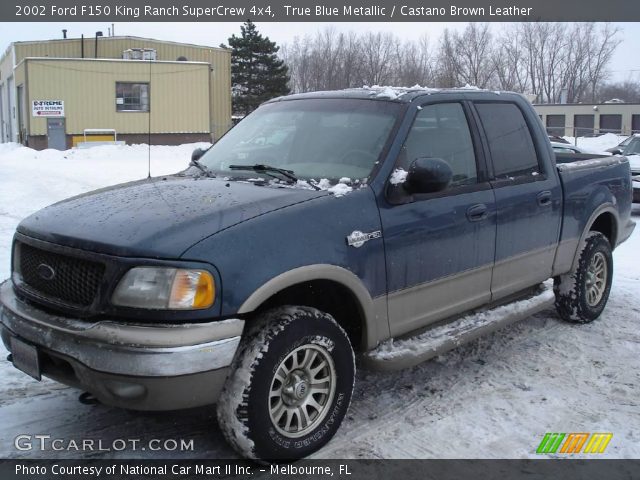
point(149, 113)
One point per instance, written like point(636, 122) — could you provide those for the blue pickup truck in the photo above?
point(320, 227)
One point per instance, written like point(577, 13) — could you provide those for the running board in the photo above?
point(407, 352)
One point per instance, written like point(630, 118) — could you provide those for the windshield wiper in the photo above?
point(266, 169)
point(260, 168)
point(202, 168)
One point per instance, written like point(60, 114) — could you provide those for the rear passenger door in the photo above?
point(528, 199)
point(439, 247)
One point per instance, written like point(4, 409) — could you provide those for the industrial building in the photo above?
point(581, 119)
point(55, 93)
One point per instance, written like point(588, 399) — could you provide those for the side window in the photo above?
point(441, 131)
point(510, 142)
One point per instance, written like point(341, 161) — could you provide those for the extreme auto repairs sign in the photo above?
point(47, 108)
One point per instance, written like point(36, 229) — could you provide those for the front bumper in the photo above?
point(142, 367)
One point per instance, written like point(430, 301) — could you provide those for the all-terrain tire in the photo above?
point(292, 360)
point(582, 295)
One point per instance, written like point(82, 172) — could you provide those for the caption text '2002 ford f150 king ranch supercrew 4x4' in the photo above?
point(321, 226)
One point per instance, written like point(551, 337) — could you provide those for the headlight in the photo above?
point(165, 288)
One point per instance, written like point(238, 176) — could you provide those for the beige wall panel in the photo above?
point(88, 90)
point(112, 47)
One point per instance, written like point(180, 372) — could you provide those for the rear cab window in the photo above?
point(509, 139)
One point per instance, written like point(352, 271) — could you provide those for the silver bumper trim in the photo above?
point(124, 349)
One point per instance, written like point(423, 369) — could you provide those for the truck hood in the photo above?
point(158, 217)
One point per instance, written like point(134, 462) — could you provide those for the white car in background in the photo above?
point(632, 152)
point(634, 166)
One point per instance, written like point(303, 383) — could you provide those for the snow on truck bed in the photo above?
point(493, 398)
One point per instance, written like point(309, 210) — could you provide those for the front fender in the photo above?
point(374, 311)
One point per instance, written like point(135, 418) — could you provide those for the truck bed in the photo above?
point(592, 186)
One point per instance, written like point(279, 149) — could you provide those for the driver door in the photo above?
point(440, 246)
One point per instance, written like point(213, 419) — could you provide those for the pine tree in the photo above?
point(257, 74)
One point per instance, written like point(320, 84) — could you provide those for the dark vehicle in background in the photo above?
point(558, 139)
point(636, 188)
point(320, 227)
point(565, 148)
point(619, 149)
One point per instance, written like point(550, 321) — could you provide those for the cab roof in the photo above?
point(395, 94)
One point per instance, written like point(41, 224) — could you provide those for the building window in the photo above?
point(583, 125)
point(610, 123)
point(635, 123)
point(555, 125)
point(132, 97)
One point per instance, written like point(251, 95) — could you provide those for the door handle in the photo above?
point(477, 213)
point(544, 198)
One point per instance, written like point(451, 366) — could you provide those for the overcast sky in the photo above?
point(625, 64)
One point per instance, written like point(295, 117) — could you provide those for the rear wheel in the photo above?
point(582, 295)
point(290, 385)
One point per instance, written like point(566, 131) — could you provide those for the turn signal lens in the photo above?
point(192, 289)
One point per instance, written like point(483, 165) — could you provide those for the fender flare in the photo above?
point(374, 312)
point(604, 208)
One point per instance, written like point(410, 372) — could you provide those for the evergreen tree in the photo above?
point(257, 74)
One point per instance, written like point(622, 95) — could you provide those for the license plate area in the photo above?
point(25, 358)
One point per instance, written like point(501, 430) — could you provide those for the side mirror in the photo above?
point(197, 153)
point(428, 175)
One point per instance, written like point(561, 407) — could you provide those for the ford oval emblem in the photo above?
point(46, 272)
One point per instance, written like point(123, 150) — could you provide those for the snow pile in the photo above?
point(339, 189)
point(596, 144)
point(389, 93)
point(394, 93)
point(398, 176)
point(432, 339)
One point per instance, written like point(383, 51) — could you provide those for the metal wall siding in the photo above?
point(112, 47)
point(6, 67)
point(88, 90)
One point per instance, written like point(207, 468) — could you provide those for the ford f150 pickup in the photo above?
point(321, 226)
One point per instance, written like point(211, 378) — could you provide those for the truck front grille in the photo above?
point(58, 277)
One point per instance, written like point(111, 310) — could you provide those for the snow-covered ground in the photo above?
point(493, 398)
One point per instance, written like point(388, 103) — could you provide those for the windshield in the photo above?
point(633, 148)
point(314, 138)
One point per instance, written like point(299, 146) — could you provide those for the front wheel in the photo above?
point(290, 385)
point(582, 295)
